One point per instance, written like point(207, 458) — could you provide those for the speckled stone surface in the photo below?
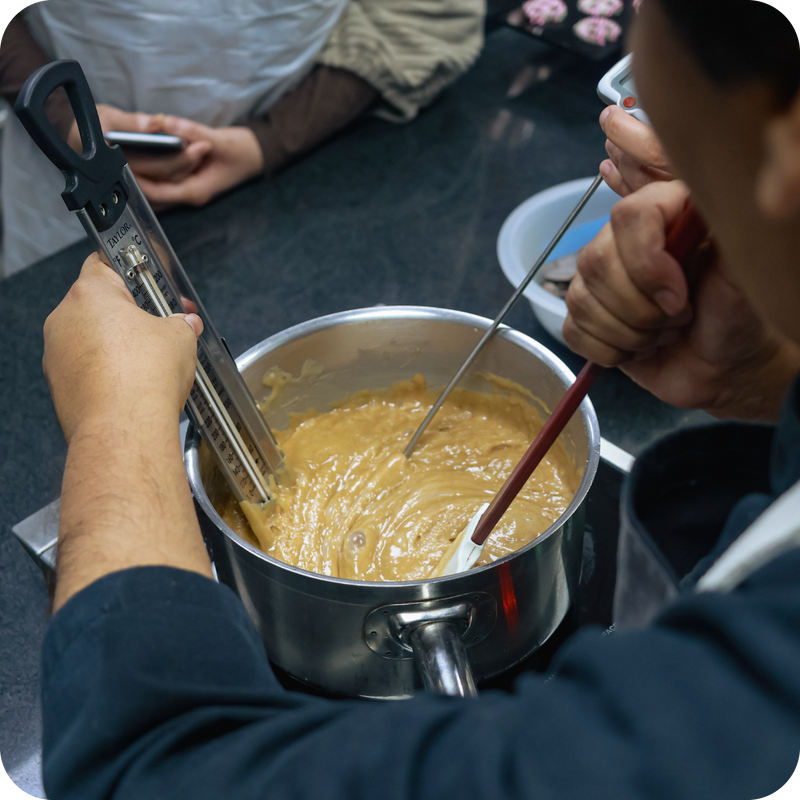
point(383, 214)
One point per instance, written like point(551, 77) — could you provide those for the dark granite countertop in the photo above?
point(383, 214)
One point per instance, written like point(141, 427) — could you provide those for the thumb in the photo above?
point(186, 128)
point(194, 322)
point(180, 353)
point(196, 150)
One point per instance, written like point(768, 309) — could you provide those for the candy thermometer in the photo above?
point(101, 189)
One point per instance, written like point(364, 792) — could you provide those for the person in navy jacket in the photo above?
point(154, 681)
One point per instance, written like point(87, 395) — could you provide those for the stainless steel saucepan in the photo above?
point(387, 640)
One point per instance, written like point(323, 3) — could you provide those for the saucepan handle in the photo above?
point(435, 634)
point(441, 659)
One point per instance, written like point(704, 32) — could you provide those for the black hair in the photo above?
point(734, 41)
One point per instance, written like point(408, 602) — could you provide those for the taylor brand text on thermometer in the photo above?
point(117, 237)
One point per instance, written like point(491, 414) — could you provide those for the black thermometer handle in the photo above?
point(94, 176)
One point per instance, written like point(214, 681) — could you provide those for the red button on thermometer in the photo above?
point(616, 87)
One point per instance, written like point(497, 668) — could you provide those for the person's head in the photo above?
point(721, 84)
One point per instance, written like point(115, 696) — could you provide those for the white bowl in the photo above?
point(529, 229)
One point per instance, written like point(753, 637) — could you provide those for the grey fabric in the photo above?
point(409, 50)
point(644, 583)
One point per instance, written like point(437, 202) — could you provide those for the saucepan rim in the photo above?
point(405, 312)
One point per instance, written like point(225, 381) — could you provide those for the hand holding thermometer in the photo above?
point(617, 77)
point(101, 189)
point(685, 237)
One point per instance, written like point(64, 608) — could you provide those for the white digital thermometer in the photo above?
point(616, 87)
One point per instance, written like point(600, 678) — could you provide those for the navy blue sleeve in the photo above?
point(156, 685)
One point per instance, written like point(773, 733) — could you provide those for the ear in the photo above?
point(778, 180)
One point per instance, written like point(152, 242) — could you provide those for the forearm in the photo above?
point(20, 56)
point(324, 102)
point(178, 668)
point(125, 502)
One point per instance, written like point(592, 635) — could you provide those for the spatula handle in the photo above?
point(538, 449)
point(686, 235)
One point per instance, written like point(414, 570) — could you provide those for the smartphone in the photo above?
point(150, 142)
point(617, 88)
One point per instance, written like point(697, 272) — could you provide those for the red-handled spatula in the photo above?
point(686, 236)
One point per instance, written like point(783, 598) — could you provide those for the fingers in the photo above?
point(173, 167)
point(182, 181)
point(97, 276)
point(613, 177)
point(114, 119)
point(102, 278)
point(189, 305)
point(105, 356)
point(634, 138)
point(640, 224)
point(636, 156)
point(595, 332)
point(615, 324)
point(194, 191)
point(633, 172)
point(234, 156)
point(630, 296)
point(186, 128)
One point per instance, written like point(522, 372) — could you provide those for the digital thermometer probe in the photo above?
point(616, 87)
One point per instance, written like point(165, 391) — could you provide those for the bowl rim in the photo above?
point(519, 219)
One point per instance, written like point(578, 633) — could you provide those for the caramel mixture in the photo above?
point(357, 508)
